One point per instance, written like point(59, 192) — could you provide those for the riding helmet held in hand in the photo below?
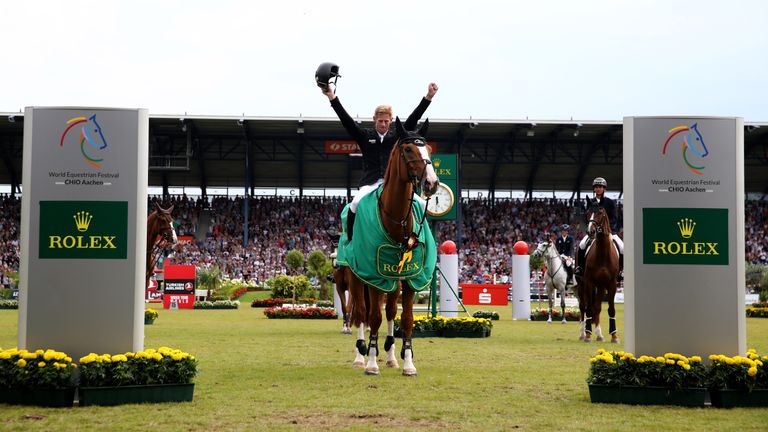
point(326, 73)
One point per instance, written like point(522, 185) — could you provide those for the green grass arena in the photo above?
point(260, 374)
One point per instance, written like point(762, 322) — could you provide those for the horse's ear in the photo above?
point(423, 129)
point(399, 127)
point(170, 209)
point(157, 206)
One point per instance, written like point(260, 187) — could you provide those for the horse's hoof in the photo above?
point(392, 364)
point(549, 321)
point(409, 372)
point(581, 338)
point(358, 365)
point(587, 340)
point(371, 371)
point(600, 338)
point(562, 322)
point(347, 332)
point(615, 340)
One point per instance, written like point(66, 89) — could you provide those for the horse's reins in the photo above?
point(409, 241)
point(552, 275)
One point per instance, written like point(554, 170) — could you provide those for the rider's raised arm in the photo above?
point(413, 119)
point(353, 128)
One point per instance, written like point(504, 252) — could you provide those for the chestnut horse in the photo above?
point(159, 224)
point(599, 281)
point(409, 167)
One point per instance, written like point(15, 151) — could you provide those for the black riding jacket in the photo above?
point(610, 209)
point(375, 152)
point(564, 245)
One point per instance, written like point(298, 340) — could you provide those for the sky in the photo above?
point(497, 60)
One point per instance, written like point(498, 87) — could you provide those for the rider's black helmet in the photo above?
point(599, 181)
point(327, 73)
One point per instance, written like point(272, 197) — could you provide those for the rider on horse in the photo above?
point(375, 144)
point(600, 200)
point(564, 245)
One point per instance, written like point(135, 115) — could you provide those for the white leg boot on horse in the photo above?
point(599, 333)
point(374, 321)
point(389, 346)
point(372, 368)
point(406, 352)
point(360, 349)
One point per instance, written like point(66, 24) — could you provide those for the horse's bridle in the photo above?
point(597, 226)
point(549, 268)
point(410, 240)
point(416, 180)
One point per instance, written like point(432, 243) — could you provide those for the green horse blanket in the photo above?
point(376, 259)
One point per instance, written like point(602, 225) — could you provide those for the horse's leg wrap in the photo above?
point(373, 343)
point(588, 325)
point(361, 348)
point(388, 342)
point(612, 325)
point(406, 345)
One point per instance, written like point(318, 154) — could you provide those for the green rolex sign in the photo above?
point(685, 236)
point(83, 229)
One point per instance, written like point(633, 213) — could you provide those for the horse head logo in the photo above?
point(691, 141)
point(92, 141)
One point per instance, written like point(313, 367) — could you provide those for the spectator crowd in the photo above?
point(213, 232)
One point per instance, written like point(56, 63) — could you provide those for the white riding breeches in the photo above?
point(616, 240)
point(365, 190)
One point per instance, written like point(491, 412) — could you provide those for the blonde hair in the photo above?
point(383, 109)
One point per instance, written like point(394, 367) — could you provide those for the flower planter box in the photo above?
point(420, 334)
point(458, 334)
point(690, 397)
point(108, 396)
point(739, 398)
point(56, 398)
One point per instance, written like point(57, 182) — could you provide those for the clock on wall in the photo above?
point(441, 202)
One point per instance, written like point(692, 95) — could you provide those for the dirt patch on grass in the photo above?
point(376, 421)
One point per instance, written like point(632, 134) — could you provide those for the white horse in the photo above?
point(555, 277)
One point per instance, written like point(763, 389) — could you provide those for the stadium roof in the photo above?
point(530, 155)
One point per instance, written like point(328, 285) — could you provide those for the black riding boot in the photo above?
point(350, 224)
point(621, 268)
point(569, 279)
point(579, 271)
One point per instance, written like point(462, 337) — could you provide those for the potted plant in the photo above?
point(491, 315)
point(738, 381)
point(467, 327)
point(150, 315)
point(43, 378)
point(672, 379)
point(152, 375)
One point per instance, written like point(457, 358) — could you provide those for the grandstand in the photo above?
point(518, 179)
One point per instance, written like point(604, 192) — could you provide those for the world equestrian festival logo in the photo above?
point(92, 140)
point(691, 140)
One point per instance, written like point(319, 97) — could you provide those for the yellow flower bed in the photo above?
point(39, 369)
